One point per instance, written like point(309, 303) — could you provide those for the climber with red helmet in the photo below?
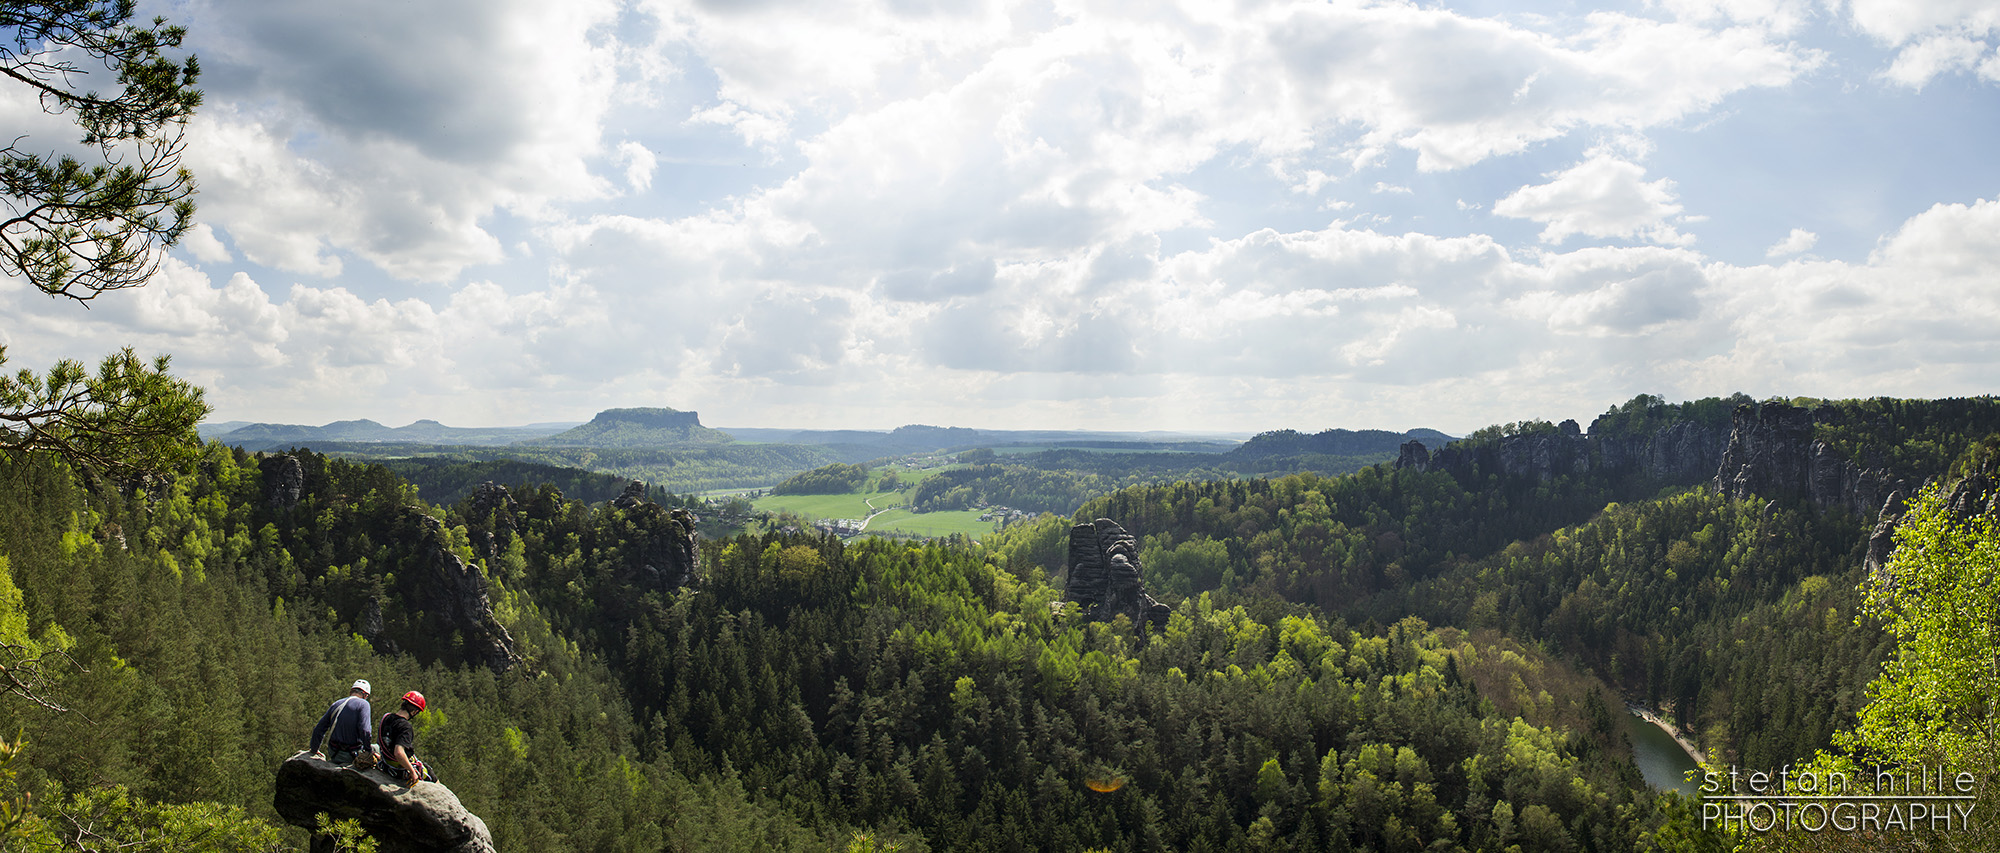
point(399, 742)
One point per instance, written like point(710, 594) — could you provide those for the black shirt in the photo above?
point(396, 730)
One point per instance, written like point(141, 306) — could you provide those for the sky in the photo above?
point(1208, 215)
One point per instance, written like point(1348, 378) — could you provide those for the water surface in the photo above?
point(1660, 759)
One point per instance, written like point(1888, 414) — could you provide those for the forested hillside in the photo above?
point(1738, 614)
point(1423, 655)
point(805, 689)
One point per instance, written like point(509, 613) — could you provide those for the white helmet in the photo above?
point(361, 684)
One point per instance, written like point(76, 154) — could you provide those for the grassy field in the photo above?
point(932, 523)
point(828, 506)
point(852, 505)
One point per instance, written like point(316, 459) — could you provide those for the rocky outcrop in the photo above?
point(1977, 492)
point(284, 480)
point(637, 428)
point(491, 509)
point(669, 553)
point(1883, 539)
point(1682, 452)
point(372, 625)
point(1105, 577)
point(1974, 494)
point(427, 818)
point(1772, 454)
point(1413, 455)
point(454, 592)
point(633, 496)
point(493, 500)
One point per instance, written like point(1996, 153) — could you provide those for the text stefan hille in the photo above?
point(1905, 798)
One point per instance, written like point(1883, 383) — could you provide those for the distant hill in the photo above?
point(920, 438)
point(208, 431)
point(629, 428)
point(282, 436)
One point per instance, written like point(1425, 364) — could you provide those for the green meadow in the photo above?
point(827, 506)
point(935, 524)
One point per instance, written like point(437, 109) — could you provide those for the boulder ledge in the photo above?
point(424, 819)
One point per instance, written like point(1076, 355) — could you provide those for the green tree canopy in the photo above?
point(80, 224)
point(1938, 701)
point(128, 418)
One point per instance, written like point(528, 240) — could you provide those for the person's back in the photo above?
point(399, 742)
point(345, 726)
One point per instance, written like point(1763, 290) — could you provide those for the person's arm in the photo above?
point(319, 730)
point(402, 758)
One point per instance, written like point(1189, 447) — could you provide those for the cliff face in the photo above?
point(452, 593)
point(1975, 493)
point(1680, 452)
point(1766, 450)
point(1104, 575)
point(669, 554)
point(284, 481)
point(1772, 454)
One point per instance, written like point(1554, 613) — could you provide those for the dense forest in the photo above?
point(835, 479)
point(1402, 658)
point(806, 690)
point(682, 470)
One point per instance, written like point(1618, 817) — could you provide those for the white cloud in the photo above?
point(1933, 37)
point(1915, 320)
point(329, 132)
point(1949, 242)
point(945, 210)
point(1345, 79)
point(1798, 241)
point(639, 164)
point(203, 244)
point(1897, 22)
point(1918, 63)
point(1600, 197)
point(1779, 16)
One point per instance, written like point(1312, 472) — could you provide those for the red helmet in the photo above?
point(415, 698)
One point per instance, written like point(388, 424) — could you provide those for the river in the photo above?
point(1660, 759)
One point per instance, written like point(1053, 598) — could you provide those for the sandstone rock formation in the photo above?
point(1683, 452)
point(1767, 450)
point(1883, 539)
point(492, 499)
point(633, 495)
point(425, 819)
point(1104, 575)
point(1974, 493)
point(669, 553)
point(284, 480)
point(1413, 455)
point(1772, 454)
point(492, 502)
point(453, 591)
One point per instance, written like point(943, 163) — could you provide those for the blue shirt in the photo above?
point(348, 721)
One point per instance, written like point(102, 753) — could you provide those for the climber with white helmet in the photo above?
point(345, 726)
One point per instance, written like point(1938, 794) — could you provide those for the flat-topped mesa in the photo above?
point(1105, 578)
point(425, 819)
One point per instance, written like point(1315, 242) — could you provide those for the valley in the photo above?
point(1436, 650)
